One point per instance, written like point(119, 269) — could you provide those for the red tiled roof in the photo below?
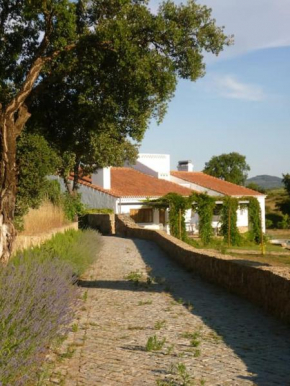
point(128, 182)
point(87, 181)
point(216, 184)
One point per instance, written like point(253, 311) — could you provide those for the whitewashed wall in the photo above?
point(93, 198)
point(156, 165)
point(262, 200)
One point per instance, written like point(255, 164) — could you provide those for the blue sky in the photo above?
point(243, 102)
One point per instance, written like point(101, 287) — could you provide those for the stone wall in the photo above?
point(24, 242)
point(104, 223)
point(266, 286)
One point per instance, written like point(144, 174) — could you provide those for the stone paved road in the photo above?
point(219, 338)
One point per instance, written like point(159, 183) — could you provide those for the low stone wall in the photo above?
point(104, 223)
point(266, 286)
point(24, 242)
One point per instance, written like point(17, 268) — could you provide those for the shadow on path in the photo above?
point(262, 342)
point(120, 285)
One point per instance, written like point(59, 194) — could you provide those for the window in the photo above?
point(142, 215)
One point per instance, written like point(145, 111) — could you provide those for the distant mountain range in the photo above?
point(266, 182)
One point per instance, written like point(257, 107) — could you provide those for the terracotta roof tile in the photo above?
point(128, 182)
point(216, 184)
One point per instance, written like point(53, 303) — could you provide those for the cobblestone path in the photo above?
point(212, 338)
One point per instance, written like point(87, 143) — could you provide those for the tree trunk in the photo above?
point(12, 120)
point(76, 176)
point(8, 186)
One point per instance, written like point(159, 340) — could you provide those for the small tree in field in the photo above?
point(230, 167)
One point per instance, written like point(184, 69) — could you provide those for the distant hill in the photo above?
point(266, 182)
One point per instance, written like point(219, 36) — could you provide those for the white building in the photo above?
point(126, 189)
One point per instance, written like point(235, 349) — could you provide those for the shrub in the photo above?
point(285, 223)
point(36, 299)
point(35, 160)
point(72, 206)
point(275, 218)
point(37, 296)
point(77, 248)
point(269, 224)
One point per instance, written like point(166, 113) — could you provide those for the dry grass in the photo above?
point(43, 219)
point(279, 233)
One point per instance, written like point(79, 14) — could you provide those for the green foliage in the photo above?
point(122, 72)
point(229, 228)
point(204, 206)
point(255, 220)
point(53, 192)
point(269, 223)
point(134, 277)
point(159, 324)
point(70, 203)
point(37, 301)
point(20, 43)
point(72, 206)
point(230, 167)
point(154, 344)
point(183, 375)
point(177, 206)
point(286, 182)
point(285, 222)
point(284, 204)
point(77, 248)
point(256, 187)
point(35, 161)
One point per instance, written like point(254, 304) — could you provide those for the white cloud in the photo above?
point(228, 86)
point(256, 24)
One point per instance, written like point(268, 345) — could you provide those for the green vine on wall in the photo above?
point(177, 205)
point(229, 228)
point(204, 206)
point(254, 218)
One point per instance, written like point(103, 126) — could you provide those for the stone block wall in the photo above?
point(266, 286)
point(24, 241)
point(104, 223)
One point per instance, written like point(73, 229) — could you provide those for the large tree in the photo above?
point(230, 167)
point(43, 42)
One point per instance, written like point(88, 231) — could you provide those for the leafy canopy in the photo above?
point(286, 182)
point(30, 30)
point(35, 161)
point(230, 167)
point(94, 100)
point(284, 205)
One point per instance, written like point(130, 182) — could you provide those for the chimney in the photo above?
point(102, 178)
point(185, 166)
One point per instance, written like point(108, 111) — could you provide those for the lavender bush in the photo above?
point(37, 298)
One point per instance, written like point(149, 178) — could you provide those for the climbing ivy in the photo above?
point(177, 205)
point(254, 218)
point(229, 227)
point(204, 206)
